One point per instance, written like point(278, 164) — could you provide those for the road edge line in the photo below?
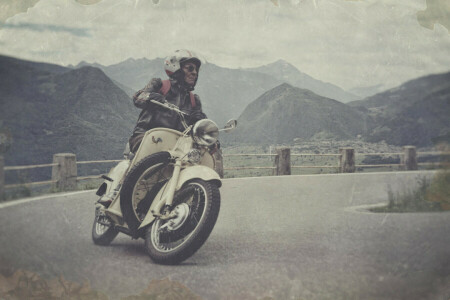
point(364, 209)
point(27, 200)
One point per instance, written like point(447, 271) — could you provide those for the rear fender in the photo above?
point(194, 172)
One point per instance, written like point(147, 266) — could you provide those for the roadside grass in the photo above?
point(429, 196)
point(439, 190)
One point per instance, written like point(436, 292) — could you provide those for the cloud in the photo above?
point(348, 43)
point(48, 27)
point(88, 2)
point(9, 8)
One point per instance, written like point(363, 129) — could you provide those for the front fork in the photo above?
point(167, 200)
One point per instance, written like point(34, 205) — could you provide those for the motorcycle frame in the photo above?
point(178, 145)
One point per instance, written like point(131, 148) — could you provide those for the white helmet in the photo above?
point(173, 62)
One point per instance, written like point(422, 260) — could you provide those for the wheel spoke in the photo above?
point(174, 237)
point(148, 180)
point(101, 226)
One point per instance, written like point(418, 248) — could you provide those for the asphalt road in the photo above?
point(296, 237)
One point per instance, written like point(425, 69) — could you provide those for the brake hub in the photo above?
point(181, 212)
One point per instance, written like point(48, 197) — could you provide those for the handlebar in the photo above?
point(170, 106)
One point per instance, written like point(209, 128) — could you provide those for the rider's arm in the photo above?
point(141, 98)
point(196, 112)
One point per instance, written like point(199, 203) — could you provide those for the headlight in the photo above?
point(205, 132)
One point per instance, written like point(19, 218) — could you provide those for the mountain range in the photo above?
point(52, 109)
point(224, 92)
point(287, 73)
point(287, 113)
point(417, 112)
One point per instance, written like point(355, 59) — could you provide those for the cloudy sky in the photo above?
point(348, 43)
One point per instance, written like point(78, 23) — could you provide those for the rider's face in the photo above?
point(190, 73)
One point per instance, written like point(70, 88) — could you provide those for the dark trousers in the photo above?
point(135, 141)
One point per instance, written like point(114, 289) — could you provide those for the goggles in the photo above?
point(190, 68)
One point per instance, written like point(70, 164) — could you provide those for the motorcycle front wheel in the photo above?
point(103, 231)
point(141, 185)
point(197, 206)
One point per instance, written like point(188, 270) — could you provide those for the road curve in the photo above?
point(288, 237)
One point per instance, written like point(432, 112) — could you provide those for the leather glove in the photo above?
point(147, 96)
point(157, 97)
point(196, 115)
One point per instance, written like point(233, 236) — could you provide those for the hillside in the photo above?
point(287, 113)
point(51, 109)
point(224, 92)
point(367, 91)
point(132, 73)
point(416, 113)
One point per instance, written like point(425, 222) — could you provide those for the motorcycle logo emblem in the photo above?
point(157, 140)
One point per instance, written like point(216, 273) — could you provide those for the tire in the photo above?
point(103, 232)
point(174, 245)
point(141, 185)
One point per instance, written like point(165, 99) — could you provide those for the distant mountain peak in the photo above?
point(282, 63)
point(89, 70)
point(285, 86)
point(84, 64)
point(287, 72)
point(135, 60)
point(287, 112)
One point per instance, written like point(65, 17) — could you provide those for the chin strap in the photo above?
point(166, 85)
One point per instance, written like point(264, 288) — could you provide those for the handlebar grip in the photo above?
point(167, 105)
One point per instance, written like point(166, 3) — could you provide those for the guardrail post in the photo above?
point(282, 162)
point(409, 158)
point(347, 160)
point(2, 176)
point(65, 173)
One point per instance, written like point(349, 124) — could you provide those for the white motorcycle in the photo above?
point(168, 193)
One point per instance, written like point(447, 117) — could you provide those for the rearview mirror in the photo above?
point(230, 126)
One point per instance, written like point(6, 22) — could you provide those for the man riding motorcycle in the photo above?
point(182, 68)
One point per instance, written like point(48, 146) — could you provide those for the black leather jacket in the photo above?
point(153, 116)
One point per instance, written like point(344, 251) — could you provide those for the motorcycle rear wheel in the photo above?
point(173, 241)
point(103, 231)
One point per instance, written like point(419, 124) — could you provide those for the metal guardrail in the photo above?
point(282, 164)
point(98, 161)
point(406, 165)
point(315, 154)
point(274, 155)
point(12, 168)
point(55, 179)
point(15, 168)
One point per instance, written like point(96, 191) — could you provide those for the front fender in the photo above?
point(199, 171)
